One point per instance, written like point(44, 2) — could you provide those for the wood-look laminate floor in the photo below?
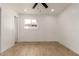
point(39, 49)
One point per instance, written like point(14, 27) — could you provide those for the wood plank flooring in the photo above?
point(39, 49)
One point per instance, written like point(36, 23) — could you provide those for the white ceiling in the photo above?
point(40, 9)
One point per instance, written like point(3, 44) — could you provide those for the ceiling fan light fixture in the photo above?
point(44, 4)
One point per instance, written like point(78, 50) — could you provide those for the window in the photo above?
point(30, 23)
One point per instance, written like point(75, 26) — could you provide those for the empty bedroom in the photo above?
point(39, 29)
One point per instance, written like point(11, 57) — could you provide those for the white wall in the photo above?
point(68, 27)
point(7, 28)
point(0, 29)
point(46, 30)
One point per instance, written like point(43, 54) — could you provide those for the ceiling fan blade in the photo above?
point(35, 5)
point(45, 5)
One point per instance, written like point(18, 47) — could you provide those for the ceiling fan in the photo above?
point(44, 4)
